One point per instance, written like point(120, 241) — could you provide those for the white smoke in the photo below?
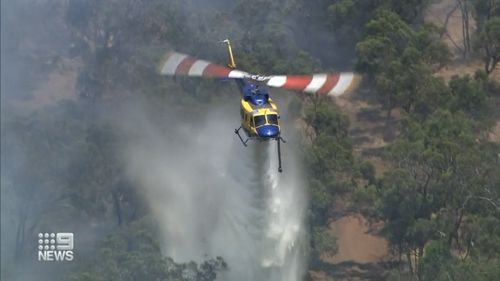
point(213, 197)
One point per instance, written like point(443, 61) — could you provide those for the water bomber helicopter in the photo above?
point(259, 113)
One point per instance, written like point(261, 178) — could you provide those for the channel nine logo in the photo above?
point(55, 246)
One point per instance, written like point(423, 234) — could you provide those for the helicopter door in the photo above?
point(247, 121)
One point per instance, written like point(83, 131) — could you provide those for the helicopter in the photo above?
point(258, 112)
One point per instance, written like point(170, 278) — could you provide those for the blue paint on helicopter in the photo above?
point(255, 94)
point(268, 131)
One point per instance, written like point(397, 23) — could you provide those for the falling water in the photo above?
point(213, 197)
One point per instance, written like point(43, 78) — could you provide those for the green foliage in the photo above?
point(36, 149)
point(268, 52)
point(321, 199)
point(431, 198)
point(439, 269)
point(431, 49)
point(386, 37)
point(485, 236)
point(350, 16)
point(410, 11)
point(400, 60)
point(329, 163)
point(156, 20)
point(367, 201)
point(327, 119)
point(327, 156)
point(265, 46)
point(437, 254)
point(331, 152)
point(485, 10)
point(470, 96)
point(488, 43)
point(454, 269)
point(323, 241)
point(473, 96)
point(135, 255)
point(342, 12)
point(367, 172)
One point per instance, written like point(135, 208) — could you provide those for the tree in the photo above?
point(470, 95)
point(489, 43)
point(440, 175)
point(330, 154)
point(135, 255)
point(465, 7)
point(329, 163)
point(351, 16)
point(98, 186)
point(36, 151)
point(328, 159)
point(323, 242)
point(485, 10)
point(400, 61)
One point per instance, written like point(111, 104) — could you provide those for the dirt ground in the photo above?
point(59, 85)
point(362, 255)
point(356, 241)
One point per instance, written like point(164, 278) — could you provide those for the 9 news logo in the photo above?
point(55, 246)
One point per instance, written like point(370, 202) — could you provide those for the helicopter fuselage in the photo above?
point(258, 112)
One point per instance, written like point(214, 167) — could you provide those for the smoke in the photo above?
point(210, 195)
point(213, 197)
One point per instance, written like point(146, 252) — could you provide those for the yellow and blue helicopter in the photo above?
point(259, 114)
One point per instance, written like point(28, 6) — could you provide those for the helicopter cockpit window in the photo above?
point(272, 119)
point(259, 120)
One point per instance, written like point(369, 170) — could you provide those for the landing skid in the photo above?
point(279, 139)
point(237, 132)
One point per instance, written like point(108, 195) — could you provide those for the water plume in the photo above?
point(213, 197)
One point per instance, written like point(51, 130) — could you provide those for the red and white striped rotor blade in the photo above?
point(332, 84)
point(179, 64)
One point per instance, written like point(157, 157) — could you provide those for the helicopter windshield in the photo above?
point(259, 120)
point(272, 119)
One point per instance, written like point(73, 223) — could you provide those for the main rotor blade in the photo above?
point(332, 84)
point(180, 64)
